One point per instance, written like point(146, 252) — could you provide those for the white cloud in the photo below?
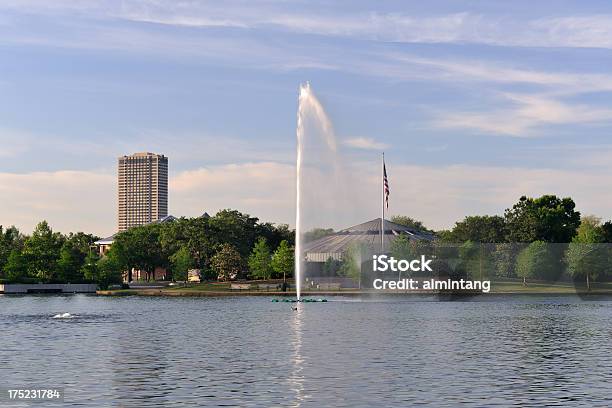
point(264, 189)
point(470, 26)
point(574, 31)
point(365, 143)
point(439, 196)
point(527, 113)
point(68, 200)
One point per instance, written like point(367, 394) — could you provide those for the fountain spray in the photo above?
point(304, 91)
point(310, 115)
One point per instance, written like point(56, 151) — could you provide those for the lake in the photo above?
point(248, 351)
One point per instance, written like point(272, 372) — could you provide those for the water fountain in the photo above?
point(311, 119)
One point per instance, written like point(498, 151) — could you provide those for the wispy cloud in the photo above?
point(364, 143)
point(468, 26)
point(573, 31)
point(523, 118)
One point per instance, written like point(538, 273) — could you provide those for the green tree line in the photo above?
point(542, 238)
point(221, 246)
point(536, 238)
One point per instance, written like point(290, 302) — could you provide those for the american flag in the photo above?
point(386, 184)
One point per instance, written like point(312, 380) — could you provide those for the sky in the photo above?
point(475, 103)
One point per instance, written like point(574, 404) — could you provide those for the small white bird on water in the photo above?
point(63, 316)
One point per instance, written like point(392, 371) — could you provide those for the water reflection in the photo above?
point(296, 380)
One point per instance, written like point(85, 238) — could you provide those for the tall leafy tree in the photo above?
point(409, 222)
point(274, 234)
point(547, 218)
point(504, 259)
point(536, 261)
point(260, 260)
point(181, 262)
point(109, 270)
point(332, 267)
point(140, 248)
point(201, 242)
point(236, 229)
point(606, 232)
point(586, 256)
point(41, 251)
point(317, 233)
point(351, 263)
point(227, 263)
point(283, 261)
point(402, 248)
point(478, 228)
point(16, 268)
point(89, 269)
point(10, 239)
point(69, 264)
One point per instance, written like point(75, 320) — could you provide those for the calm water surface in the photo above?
point(153, 352)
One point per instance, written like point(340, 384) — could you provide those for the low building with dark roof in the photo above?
point(366, 235)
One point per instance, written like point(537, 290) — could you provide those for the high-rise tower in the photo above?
point(143, 189)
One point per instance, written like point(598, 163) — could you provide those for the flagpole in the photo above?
point(382, 202)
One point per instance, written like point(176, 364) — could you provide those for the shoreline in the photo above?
point(351, 293)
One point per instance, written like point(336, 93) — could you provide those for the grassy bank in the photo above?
point(224, 289)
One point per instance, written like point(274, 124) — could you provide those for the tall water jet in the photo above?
point(311, 119)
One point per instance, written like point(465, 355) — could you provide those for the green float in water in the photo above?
point(307, 300)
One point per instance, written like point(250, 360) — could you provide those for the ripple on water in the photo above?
point(251, 352)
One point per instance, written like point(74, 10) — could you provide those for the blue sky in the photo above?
point(474, 102)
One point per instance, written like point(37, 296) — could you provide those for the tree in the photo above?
point(351, 263)
point(547, 218)
point(589, 231)
point(409, 222)
point(478, 228)
point(236, 229)
point(15, 267)
point(401, 248)
point(41, 251)
point(181, 262)
point(69, 264)
point(140, 248)
point(274, 234)
point(535, 261)
point(504, 259)
point(317, 233)
point(195, 234)
point(332, 267)
point(606, 232)
point(89, 269)
point(227, 263)
point(260, 260)
point(469, 256)
point(10, 239)
point(586, 256)
point(109, 270)
point(283, 261)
